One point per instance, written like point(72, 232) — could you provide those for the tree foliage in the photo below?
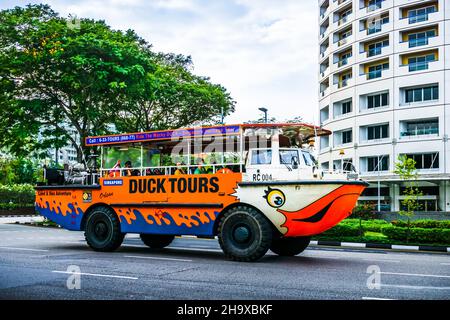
point(55, 76)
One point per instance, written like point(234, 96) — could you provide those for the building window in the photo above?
point(374, 26)
point(425, 160)
point(324, 142)
point(325, 166)
point(373, 5)
point(346, 107)
point(377, 163)
point(419, 128)
point(427, 93)
point(374, 49)
point(377, 100)
point(378, 132)
point(346, 136)
point(420, 63)
point(420, 38)
point(324, 114)
point(377, 71)
point(419, 15)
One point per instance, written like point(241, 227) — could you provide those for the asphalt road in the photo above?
point(35, 264)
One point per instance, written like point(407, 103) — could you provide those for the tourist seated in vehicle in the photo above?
point(200, 167)
point(115, 171)
point(129, 171)
point(225, 170)
point(180, 170)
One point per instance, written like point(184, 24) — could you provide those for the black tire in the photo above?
point(157, 241)
point(289, 246)
point(244, 234)
point(102, 231)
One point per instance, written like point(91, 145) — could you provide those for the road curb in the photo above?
point(380, 246)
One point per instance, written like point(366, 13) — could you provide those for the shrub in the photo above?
point(420, 235)
point(342, 230)
point(13, 196)
point(444, 224)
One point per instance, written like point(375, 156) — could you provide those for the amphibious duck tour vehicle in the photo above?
point(254, 186)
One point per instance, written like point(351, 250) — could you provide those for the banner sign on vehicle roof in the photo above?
point(161, 135)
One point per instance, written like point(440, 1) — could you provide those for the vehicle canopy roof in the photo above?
point(299, 132)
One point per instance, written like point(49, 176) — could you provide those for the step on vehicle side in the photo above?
point(254, 186)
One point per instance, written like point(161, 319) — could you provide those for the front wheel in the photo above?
point(102, 230)
point(244, 234)
point(289, 246)
point(157, 241)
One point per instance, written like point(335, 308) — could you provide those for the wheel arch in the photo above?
point(234, 205)
point(91, 208)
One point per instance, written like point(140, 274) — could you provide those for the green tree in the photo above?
point(406, 168)
point(54, 75)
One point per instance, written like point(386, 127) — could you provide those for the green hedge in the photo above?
point(342, 230)
point(18, 195)
point(419, 235)
point(367, 225)
point(444, 224)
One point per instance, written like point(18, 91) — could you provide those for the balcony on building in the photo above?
point(374, 133)
point(375, 70)
point(419, 37)
point(374, 102)
point(412, 63)
point(371, 6)
point(343, 138)
point(343, 79)
point(374, 48)
point(324, 9)
point(324, 28)
point(419, 14)
point(419, 95)
point(324, 114)
point(324, 69)
point(343, 16)
point(324, 143)
point(374, 165)
point(343, 37)
point(324, 89)
point(342, 108)
point(373, 25)
point(425, 161)
point(342, 59)
point(324, 48)
point(419, 129)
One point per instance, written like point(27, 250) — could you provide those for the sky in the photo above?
point(263, 51)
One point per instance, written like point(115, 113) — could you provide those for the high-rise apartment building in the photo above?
point(384, 91)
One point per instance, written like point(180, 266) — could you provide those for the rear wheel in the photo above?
point(157, 241)
point(244, 234)
point(289, 246)
point(102, 230)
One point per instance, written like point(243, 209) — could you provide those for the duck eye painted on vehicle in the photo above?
point(275, 197)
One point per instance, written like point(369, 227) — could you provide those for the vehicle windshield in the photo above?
point(288, 156)
point(309, 159)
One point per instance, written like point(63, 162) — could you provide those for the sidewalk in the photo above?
point(21, 219)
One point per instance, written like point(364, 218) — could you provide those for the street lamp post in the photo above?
point(265, 113)
point(379, 186)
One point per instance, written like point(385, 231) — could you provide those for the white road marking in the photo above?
point(374, 298)
point(158, 258)
point(414, 287)
point(23, 249)
point(96, 275)
point(445, 264)
point(382, 260)
point(416, 275)
point(195, 249)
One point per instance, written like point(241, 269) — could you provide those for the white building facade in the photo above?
point(384, 91)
